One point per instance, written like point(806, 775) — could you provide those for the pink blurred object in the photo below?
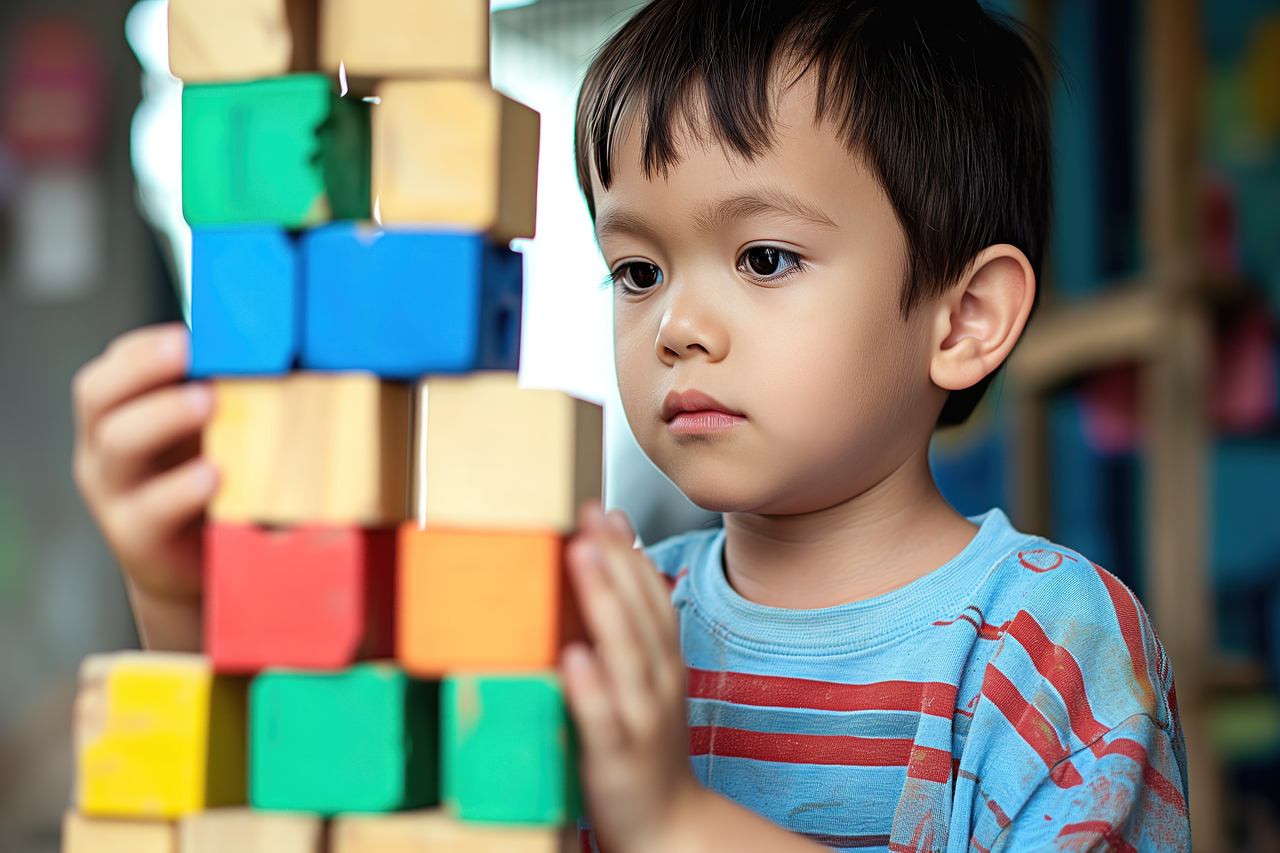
point(1221, 227)
point(1109, 411)
point(1245, 374)
point(55, 94)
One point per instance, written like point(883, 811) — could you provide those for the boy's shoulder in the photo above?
point(1065, 621)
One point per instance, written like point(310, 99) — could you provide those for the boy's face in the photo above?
point(763, 359)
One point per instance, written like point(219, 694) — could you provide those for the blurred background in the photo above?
point(1138, 422)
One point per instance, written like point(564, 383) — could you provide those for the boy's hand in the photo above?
point(628, 695)
point(137, 464)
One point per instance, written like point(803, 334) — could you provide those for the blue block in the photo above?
point(245, 300)
point(403, 303)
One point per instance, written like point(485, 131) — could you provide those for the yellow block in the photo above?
point(244, 830)
point(157, 736)
point(455, 154)
point(82, 834)
point(328, 448)
point(240, 39)
point(434, 832)
point(406, 38)
point(497, 457)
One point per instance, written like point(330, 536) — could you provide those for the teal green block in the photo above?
point(507, 750)
point(361, 740)
point(283, 150)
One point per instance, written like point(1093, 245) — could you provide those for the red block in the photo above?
point(307, 597)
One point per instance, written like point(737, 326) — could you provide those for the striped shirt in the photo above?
point(1014, 699)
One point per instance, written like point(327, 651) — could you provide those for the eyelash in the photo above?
point(617, 278)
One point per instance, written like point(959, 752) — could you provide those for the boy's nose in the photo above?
point(691, 329)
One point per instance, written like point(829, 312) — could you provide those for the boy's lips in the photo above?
point(693, 411)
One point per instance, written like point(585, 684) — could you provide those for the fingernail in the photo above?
point(204, 476)
point(173, 343)
point(575, 657)
point(199, 398)
point(588, 552)
point(620, 524)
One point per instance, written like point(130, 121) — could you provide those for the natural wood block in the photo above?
point(455, 154)
point(360, 739)
point(283, 150)
point(313, 597)
point(243, 830)
point(497, 457)
point(434, 831)
point(507, 749)
point(241, 39)
point(482, 600)
point(406, 38)
point(314, 448)
point(82, 834)
point(157, 736)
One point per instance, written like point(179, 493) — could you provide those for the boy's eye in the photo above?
point(767, 261)
point(638, 275)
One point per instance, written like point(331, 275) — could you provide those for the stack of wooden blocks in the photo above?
point(385, 597)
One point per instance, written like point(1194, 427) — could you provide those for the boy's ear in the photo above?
point(978, 321)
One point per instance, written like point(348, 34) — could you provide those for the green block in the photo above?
point(285, 150)
point(507, 749)
point(360, 740)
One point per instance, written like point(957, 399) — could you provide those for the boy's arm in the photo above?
point(628, 699)
point(137, 463)
point(1126, 794)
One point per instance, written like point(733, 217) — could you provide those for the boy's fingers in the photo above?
point(132, 436)
point(589, 701)
point(132, 364)
point(162, 506)
point(626, 568)
point(618, 650)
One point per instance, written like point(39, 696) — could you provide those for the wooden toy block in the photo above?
point(246, 304)
point(240, 39)
point(364, 739)
point(494, 456)
point(306, 597)
point(406, 303)
point(507, 750)
point(482, 600)
point(455, 154)
point(310, 448)
point(243, 830)
point(406, 38)
point(157, 736)
point(284, 150)
point(82, 834)
point(434, 831)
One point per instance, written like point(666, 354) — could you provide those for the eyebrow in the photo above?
point(720, 213)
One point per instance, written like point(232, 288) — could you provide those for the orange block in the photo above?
point(482, 600)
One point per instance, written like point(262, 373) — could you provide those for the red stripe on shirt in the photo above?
point(935, 698)
point(1059, 666)
point(1105, 831)
point(1027, 720)
point(1151, 777)
point(1002, 819)
point(1126, 608)
point(929, 764)
point(840, 750)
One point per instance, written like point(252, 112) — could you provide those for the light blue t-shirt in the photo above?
point(1014, 699)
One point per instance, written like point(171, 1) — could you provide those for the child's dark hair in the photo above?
point(946, 103)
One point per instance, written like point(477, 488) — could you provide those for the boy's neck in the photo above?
point(882, 539)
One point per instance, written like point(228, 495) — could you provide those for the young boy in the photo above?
point(824, 220)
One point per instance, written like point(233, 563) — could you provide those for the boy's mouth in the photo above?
point(695, 412)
